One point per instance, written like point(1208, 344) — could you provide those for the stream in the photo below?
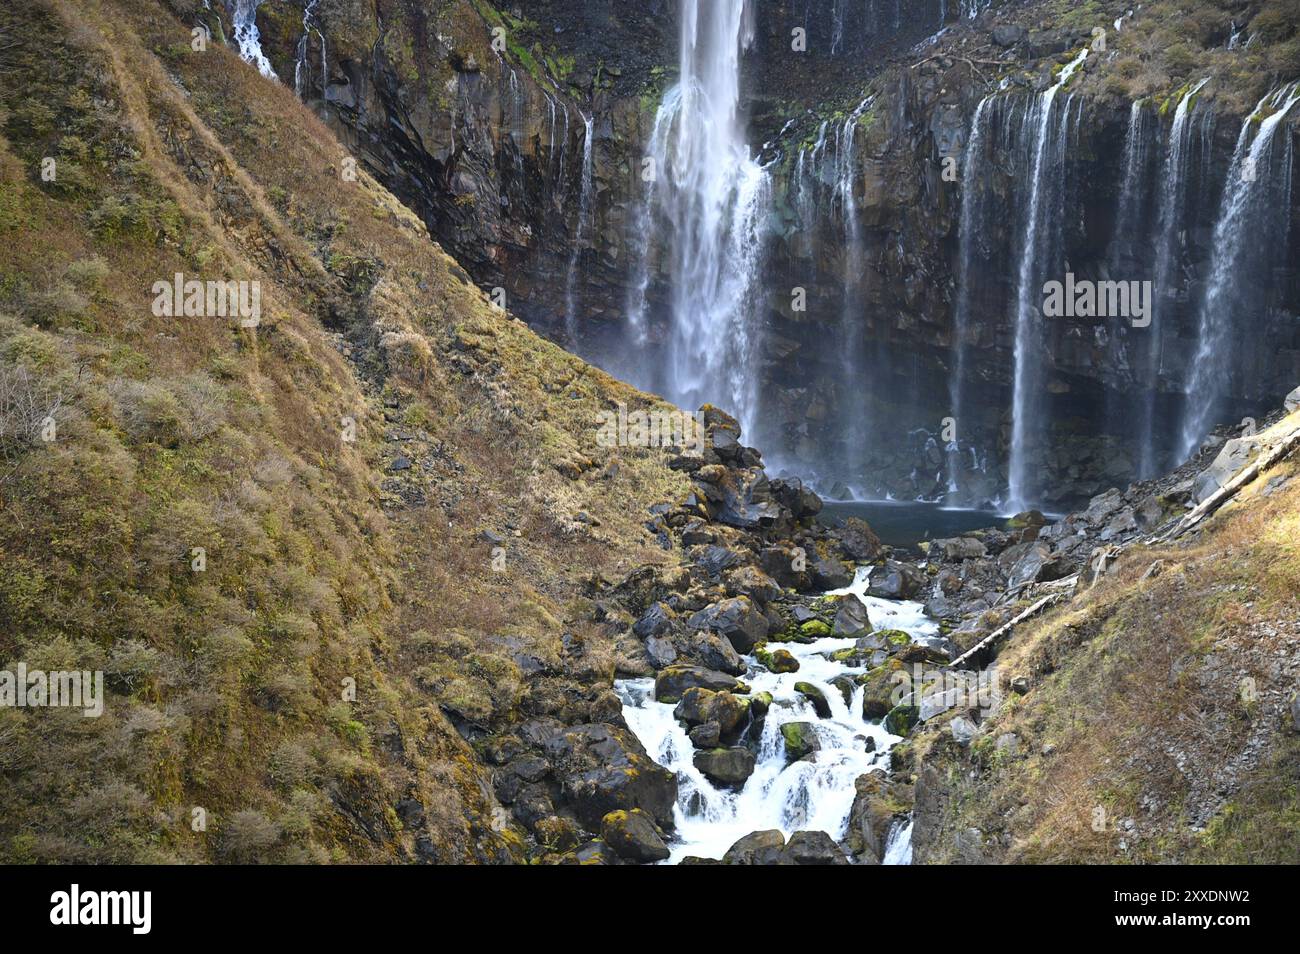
point(814, 794)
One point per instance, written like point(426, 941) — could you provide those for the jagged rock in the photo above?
point(1007, 35)
point(795, 497)
point(851, 619)
point(814, 848)
point(816, 697)
point(800, 740)
point(757, 848)
point(707, 736)
point(633, 835)
point(737, 619)
point(787, 566)
point(700, 706)
point(1236, 454)
point(1292, 401)
point(671, 683)
point(1038, 565)
point(957, 549)
point(830, 575)
point(601, 768)
point(714, 652)
point(596, 852)
point(655, 621)
point(752, 582)
point(730, 768)
point(716, 559)
point(661, 652)
point(896, 581)
point(859, 541)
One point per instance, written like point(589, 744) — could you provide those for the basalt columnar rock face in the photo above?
point(904, 324)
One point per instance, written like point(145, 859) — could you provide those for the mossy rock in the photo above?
point(816, 697)
point(894, 637)
point(815, 629)
point(778, 660)
point(800, 740)
point(902, 719)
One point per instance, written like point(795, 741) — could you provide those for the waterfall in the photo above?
point(1129, 240)
point(248, 38)
point(1250, 237)
point(1170, 229)
point(973, 211)
point(583, 231)
point(813, 794)
point(301, 65)
point(710, 211)
point(1042, 216)
point(851, 313)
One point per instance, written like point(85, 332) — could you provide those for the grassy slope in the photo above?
point(322, 565)
point(1138, 692)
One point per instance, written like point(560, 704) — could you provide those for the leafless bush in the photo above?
point(28, 412)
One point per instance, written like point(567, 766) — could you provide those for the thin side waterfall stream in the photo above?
point(815, 793)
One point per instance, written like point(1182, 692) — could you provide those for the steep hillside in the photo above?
point(1154, 718)
point(387, 485)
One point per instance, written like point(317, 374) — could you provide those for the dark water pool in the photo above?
point(901, 524)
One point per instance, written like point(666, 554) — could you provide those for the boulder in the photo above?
point(859, 541)
point(633, 835)
point(737, 619)
point(816, 697)
point(707, 736)
point(1235, 455)
point(831, 575)
point(957, 549)
point(800, 740)
point(902, 719)
point(699, 706)
point(602, 768)
point(1007, 35)
point(851, 619)
point(660, 651)
point(757, 848)
point(752, 582)
point(896, 581)
point(714, 652)
point(787, 565)
point(655, 621)
point(671, 683)
point(1292, 401)
point(813, 848)
point(730, 768)
point(779, 660)
point(880, 686)
point(963, 730)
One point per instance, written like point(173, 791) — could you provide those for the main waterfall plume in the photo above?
point(707, 207)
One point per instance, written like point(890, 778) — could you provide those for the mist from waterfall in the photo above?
point(709, 206)
point(1250, 240)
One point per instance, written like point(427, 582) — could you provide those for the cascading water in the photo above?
point(813, 794)
point(709, 211)
point(584, 228)
point(1043, 210)
point(973, 211)
point(248, 38)
point(1250, 238)
point(301, 66)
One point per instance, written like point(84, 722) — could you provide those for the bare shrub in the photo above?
point(27, 411)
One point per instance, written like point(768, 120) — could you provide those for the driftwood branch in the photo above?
point(1264, 462)
point(989, 641)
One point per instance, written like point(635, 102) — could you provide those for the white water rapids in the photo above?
point(811, 795)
